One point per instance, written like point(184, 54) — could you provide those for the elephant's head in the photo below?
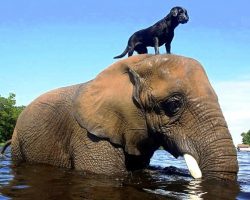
point(146, 101)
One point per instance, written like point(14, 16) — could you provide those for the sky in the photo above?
point(46, 44)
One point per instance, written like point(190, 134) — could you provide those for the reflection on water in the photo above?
point(166, 178)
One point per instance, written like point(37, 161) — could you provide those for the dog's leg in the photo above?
point(130, 51)
point(168, 47)
point(141, 49)
point(156, 45)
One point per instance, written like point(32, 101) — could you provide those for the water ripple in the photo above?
point(166, 177)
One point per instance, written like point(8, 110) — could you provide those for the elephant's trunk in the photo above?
point(220, 159)
point(219, 166)
point(213, 145)
point(216, 158)
point(205, 143)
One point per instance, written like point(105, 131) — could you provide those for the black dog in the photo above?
point(155, 36)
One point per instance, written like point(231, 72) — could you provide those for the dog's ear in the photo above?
point(174, 12)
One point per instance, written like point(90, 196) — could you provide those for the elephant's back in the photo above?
point(46, 123)
point(63, 94)
point(51, 98)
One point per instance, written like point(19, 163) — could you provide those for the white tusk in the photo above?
point(192, 165)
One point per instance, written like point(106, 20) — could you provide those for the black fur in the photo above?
point(155, 36)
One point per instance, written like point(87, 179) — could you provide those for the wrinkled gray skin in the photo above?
point(114, 123)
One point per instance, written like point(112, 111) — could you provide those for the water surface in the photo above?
point(166, 178)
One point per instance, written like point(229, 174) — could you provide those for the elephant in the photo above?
point(114, 123)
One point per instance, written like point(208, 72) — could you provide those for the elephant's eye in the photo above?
point(173, 105)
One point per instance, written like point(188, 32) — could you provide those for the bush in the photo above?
point(8, 116)
point(246, 137)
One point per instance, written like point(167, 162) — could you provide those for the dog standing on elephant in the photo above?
point(155, 36)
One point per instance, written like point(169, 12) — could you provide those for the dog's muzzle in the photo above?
point(183, 19)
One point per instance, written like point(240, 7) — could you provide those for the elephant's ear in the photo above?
point(139, 84)
point(105, 107)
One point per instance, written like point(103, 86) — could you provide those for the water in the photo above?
point(166, 178)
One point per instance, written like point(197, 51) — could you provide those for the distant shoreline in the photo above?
point(243, 147)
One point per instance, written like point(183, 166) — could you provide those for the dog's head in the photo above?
point(180, 14)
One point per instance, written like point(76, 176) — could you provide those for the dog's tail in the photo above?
point(7, 143)
point(123, 54)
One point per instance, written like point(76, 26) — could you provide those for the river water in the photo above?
point(166, 178)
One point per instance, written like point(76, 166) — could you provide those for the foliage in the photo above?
point(246, 137)
point(8, 116)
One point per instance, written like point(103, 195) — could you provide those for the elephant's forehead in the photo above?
point(179, 74)
point(178, 66)
point(167, 65)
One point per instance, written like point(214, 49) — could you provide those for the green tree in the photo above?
point(246, 137)
point(8, 116)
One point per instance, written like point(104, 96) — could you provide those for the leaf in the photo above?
point(9, 113)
